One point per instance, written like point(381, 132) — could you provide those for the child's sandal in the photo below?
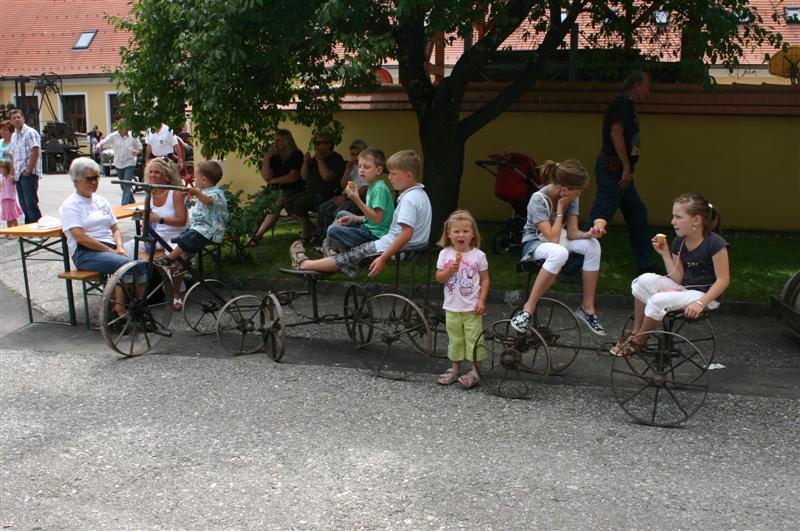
point(297, 252)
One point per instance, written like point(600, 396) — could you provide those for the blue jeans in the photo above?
point(108, 263)
point(28, 192)
point(126, 174)
point(611, 197)
point(344, 237)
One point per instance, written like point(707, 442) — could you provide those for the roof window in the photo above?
point(84, 40)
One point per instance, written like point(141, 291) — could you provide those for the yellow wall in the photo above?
point(748, 166)
point(94, 90)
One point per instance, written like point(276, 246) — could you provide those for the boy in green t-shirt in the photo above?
point(349, 230)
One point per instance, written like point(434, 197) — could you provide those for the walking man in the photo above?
point(615, 168)
point(126, 148)
point(26, 150)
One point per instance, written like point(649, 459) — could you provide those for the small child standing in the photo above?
point(463, 269)
point(699, 272)
point(8, 195)
point(209, 216)
point(349, 230)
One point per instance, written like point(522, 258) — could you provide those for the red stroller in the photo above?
point(517, 178)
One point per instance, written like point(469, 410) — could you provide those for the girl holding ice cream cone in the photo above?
point(698, 272)
point(463, 269)
point(551, 233)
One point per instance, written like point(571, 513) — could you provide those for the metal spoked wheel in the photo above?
point(514, 363)
point(398, 334)
point(561, 330)
point(203, 303)
point(135, 313)
point(357, 315)
point(698, 331)
point(241, 325)
point(275, 327)
point(664, 384)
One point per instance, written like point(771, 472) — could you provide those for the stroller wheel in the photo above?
point(504, 242)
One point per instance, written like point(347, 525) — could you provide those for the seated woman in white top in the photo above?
point(168, 215)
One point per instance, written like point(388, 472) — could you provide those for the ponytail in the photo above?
point(569, 173)
point(697, 205)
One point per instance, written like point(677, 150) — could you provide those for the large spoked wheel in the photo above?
point(698, 331)
point(357, 315)
point(203, 303)
point(512, 364)
point(398, 334)
point(241, 325)
point(664, 384)
point(136, 309)
point(561, 331)
point(274, 327)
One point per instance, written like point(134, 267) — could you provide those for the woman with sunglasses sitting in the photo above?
point(93, 236)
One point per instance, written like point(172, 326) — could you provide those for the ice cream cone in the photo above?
point(661, 238)
point(600, 223)
point(352, 186)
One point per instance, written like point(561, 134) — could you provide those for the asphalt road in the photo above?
point(189, 437)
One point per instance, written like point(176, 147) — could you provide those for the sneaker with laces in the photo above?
point(520, 321)
point(591, 321)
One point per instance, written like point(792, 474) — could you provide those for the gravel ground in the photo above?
point(92, 441)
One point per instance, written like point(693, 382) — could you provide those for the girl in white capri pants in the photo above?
point(551, 233)
point(698, 268)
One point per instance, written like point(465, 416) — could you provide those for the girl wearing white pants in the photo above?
point(698, 266)
point(551, 233)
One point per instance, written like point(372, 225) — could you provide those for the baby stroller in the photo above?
point(516, 179)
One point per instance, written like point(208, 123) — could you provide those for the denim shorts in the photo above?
point(191, 241)
point(86, 259)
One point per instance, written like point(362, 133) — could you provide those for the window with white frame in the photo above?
point(792, 15)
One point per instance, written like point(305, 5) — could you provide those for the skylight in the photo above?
point(84, 40)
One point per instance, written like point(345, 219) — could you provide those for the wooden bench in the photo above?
point(91, 282)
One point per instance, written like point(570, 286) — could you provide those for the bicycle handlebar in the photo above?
point(149, 186)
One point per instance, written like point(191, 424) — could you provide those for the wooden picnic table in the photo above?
point(34, 240)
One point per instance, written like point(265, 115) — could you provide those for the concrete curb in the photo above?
point(496, 296)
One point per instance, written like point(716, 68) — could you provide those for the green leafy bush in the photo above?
point(245, 217)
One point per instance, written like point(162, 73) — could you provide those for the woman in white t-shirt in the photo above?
point(94, 239)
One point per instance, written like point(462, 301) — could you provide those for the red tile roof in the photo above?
point(752, 55)
point(38, 36)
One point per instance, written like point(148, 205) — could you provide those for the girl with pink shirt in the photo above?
point(463, 269)
point(8, 195)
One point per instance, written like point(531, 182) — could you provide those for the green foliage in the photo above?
point(241, 65)
point(245, 217)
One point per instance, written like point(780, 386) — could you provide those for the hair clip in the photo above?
point(556, 165)
point(710, 206)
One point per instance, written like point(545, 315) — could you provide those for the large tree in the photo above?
point(245, 66)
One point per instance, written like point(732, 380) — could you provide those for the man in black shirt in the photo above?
point(615, 167)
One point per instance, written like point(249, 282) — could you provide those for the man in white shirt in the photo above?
point(26, 150)
point(126, 148)
point(162, 143)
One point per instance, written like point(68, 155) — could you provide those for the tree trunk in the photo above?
point(443, 157)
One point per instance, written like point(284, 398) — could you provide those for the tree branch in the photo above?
point(514, 91)
point(411, 47)
point(471, 61)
